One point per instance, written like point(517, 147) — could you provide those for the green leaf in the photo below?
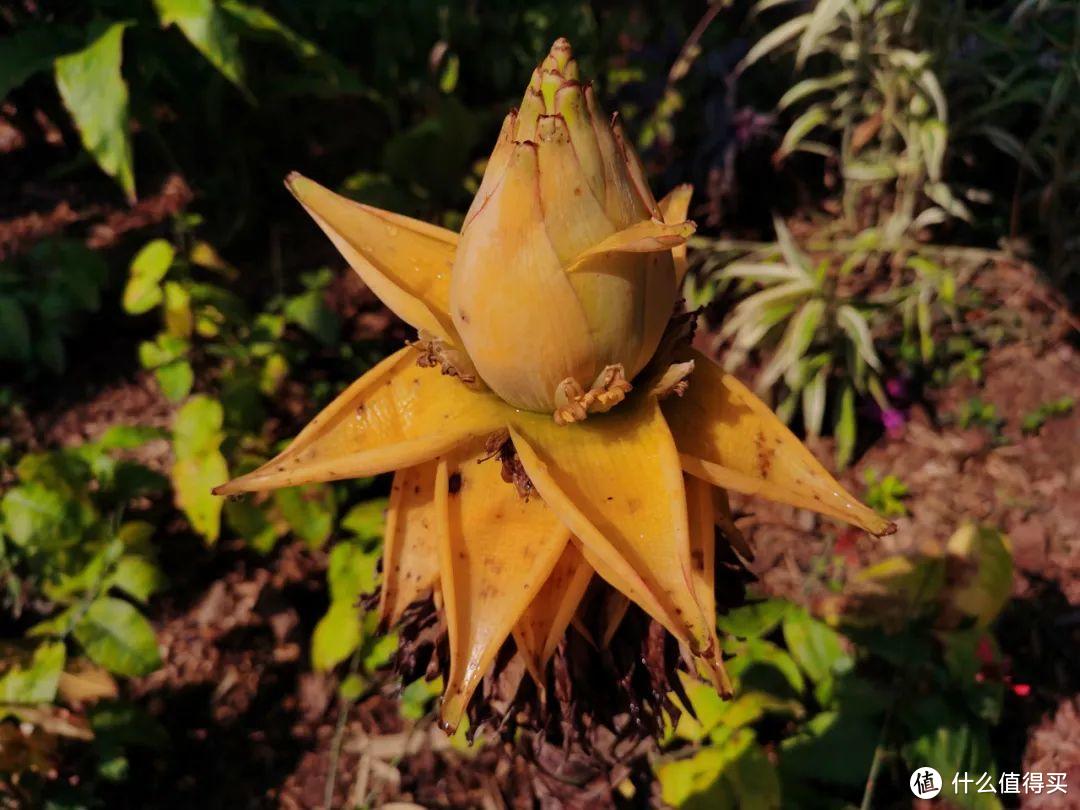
point(934, 137)
point(125, 724)
point(964, 653)
point(833, 747)
point(700, 782)
point(14, 331)
point(754, 780)
point(863, 172)
point(333, 76)
point(985, 592)
point(128, 437)
point(823, 20)
point(802, 126)
point(310, 313)
point(945, 739)
point(309, 510)
point(193, 479)
point(367, 520)
point(844, 428)
point(789, 247)
point(797, 339)
point(138, 577)
point(772, 304)
point(94, 92)
point(943, 196)
point(813, 402)
point(858, 332)
point(176, 379)
point(379, 650)
point(336, 636)
point(757, 661)
point(29, 51)
point(40, 518)
point(762, 272)
point(116, 636)
point(351, 572)
point(808, 87)
point(776, 38)
point(179, 319)
point(36, 683)
point(253, 524)
point(200, 466)
point(753, 620)
point(817, 648)
point(143, 289)
point(197, 427)
point(926, 325)
point(162, 350)
point(208, 29)
point(418, 696)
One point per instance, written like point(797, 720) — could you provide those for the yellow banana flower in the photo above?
point(530, 427)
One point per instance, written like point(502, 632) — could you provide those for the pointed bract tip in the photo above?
point(229, 488)
point(298, 185)
point(561, 51)
point(450, 712)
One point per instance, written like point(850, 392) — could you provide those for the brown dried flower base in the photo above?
point(602, 709)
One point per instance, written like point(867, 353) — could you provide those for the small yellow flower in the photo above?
point(540, 326)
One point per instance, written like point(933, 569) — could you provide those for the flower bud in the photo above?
point(563, 279)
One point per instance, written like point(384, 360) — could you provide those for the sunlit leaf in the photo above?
point(753, 620)
point(200, 466)
point(844, 428)
point(991, 583)
point(309, 510)
point(193, 478)
point(336, 636)
point(776, 38)
point(175, 379)
point(823, 20)
point(366, 520)
point(813, 401)
point(115, 635)
point(808, 87)
point(208, 29)
point(802, 126)
point(138, 577)
point(35, 681)
point(857, 330)
point(143, 289)
point(796, 340)
point(762, 272)
point(96, 95)
point(868, 172)
point(934, 136)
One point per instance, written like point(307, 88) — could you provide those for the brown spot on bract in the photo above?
point(764, 455)
point(454, 484)
point(463, 315)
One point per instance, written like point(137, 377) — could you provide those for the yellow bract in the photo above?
point(564, 277)
point(729, 437)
